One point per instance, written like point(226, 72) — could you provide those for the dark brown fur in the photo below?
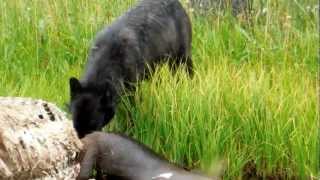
point(123, 158)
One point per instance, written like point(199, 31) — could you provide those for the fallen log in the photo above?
point(37, 141)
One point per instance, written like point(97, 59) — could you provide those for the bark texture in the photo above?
point(37, 141)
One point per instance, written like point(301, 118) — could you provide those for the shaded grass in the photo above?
point(253, 96)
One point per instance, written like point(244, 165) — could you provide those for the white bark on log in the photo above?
point(37, 141)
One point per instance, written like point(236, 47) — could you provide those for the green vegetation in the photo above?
point(253, 98)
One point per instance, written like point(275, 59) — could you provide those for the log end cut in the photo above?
point(37, 141)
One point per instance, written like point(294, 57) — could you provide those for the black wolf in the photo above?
point(151, 33)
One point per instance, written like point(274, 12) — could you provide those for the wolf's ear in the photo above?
point(75, 86)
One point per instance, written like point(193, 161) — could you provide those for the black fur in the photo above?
point(151, 33)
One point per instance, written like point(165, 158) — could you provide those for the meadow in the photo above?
point(252, 102)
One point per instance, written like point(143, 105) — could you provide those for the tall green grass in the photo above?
point(253, 97)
